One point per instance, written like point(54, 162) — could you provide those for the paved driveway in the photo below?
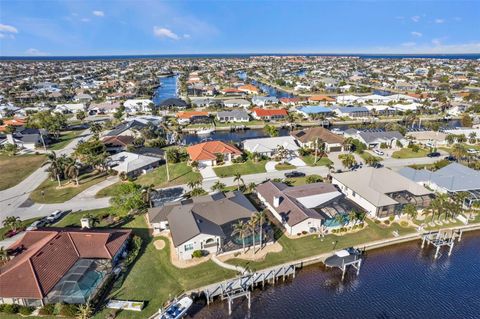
point(207, 172)
point(270, 166)
point(297, 161)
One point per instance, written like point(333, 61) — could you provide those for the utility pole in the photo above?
point(166, 165)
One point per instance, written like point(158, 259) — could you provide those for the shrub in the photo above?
point(304, 232)
point(2, 306)
point(47, 310)
point(197, 254)
point(11, 308)
point(68, 310)
point(377, 221)
point(134, 248)
point(391, 218)
point(26, 311)
point(299, 234)
point(313, 179)
point(404, 223)
point(387, 222)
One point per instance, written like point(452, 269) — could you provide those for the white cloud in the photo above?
point(415, 18)
point(5, 28)
point(416, 34)
point(98, 13)
point(409, 44)
point(439, 21)
point(7, 31)
point(35, 52)
point(85, 20)
point(165, 33)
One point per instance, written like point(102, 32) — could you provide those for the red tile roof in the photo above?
point(45, 256)
point(270, 112)
point(208, 150)
point(319, 98)
point(190, 114)
point(121, 140)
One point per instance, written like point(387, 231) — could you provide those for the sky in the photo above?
point(123, 27)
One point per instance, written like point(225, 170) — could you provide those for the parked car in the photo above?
point(450, 158)
point(472, 151)
point(433, 154)
point(53, 217)
point(294, 174)
point(37, 224)
point(379, 152)
point(430, 144)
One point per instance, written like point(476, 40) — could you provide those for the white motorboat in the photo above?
point(205, 131)
point(176, 310)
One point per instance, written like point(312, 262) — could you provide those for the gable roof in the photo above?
point(270, 112)
point(310, 134)
point(208, 150)
point(45, 256)
point(125, 127)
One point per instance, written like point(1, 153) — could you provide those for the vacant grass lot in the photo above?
point(14, 169)
point(73, 219)
point(249, 167)
point(408, 153)
point(180, 173)
point(53, 194)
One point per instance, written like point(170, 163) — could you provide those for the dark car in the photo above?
point(433, 154)
point(294, 174)
point(451, 158)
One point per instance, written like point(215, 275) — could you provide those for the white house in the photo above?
point(268, 146)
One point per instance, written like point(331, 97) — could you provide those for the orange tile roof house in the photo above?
point(206, 153)
point(269, 114)
point(249, 88)
point(321, 98)
point(191, 117)
point(54, 265)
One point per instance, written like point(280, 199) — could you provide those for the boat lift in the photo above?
point(442, 238)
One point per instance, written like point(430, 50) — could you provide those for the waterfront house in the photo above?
point(138, 105)
point(268, 146)
point(132, 164)
point(188, 117)
point(249, 89)
point(290, 101)
point(305, 208)
point(209, 153)
point(236, 103)
point(320, 98)
point(377, 138)
point(129, 128)
point(60, 265)
point(381, 191)
point(352, 111)
point(269, 114)
point(203, 223)
point(173, 103)
point(264, 100)
point(232, 92)
point(307, 137)
point(451, 179)
point(428, 137)
point(312, 111)
point(233, 116)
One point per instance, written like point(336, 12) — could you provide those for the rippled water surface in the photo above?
point(395, 282)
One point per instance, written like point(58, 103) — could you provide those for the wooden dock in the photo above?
point(442, 238)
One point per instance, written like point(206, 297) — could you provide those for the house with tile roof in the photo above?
point(192, 117)
point(269, 114)
point(208, 153)
point(60, 265)
point(307, 137)
point(203, 223)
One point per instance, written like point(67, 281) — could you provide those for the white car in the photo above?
point(37, 224)
point(430, 144)
point(378, 152)
point(53, 217)
point(472, 151)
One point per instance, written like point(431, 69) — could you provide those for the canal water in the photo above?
point(167, 89)
point(269, 90)
point(401, 281)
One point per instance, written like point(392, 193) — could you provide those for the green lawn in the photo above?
point(24, 223)
point(246, 168)
point(73, 219)
point(180, 173)
point(65, 138)
point(294, 249)
point(310, 159)
point(14, 169)
point(408, 153)
point(154, 279)
point(367, 155)
point(297, 181)
point(54, 195)
point(284, 166)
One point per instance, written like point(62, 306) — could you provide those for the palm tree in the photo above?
point(55, 168)
point(410, 211)
point(71, 170)
point(252, 223)
point(96, 128)
point(251, 186)
point(241, 229)
point(459, 151)
point(348, 160)
point(194, 165)
point(319, 147)
point(3, 254)
point(218, 186)
point(371, 160)
point(84, 311)
point(238, 178)
point(13, 222)
point(339, 219)
point(352, 216)
point(147, 192)
point(193, 184)
point(261, 217)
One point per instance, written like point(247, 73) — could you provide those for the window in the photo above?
point(354, 194)
point(188, 247)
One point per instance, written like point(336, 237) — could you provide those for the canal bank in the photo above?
point(386, 278)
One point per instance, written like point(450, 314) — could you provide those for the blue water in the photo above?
point(472, 56)
point(269, 90)
point(395, 282)
point(168, 89)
